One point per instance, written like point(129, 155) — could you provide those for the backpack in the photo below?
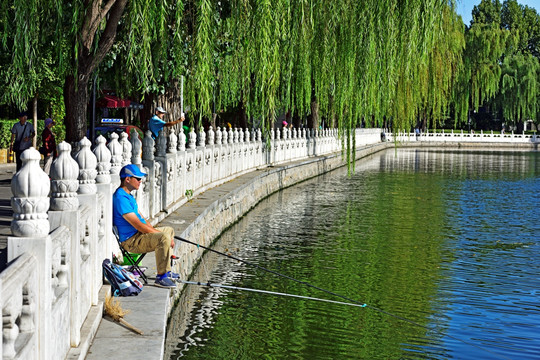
point(123, 283)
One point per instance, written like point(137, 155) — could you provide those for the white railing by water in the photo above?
point(62, 226)
point(465, 137)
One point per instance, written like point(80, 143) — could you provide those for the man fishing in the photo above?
point(136, 234)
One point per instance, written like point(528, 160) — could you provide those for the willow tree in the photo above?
point(501, 62)
point(83, 33)
point(519, 88)
point(346, 60)
point(480, 76)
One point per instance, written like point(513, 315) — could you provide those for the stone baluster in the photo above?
point(253, 134)
point(103, 157)
point(173, 142)
point(235, 136)
point(126, 148)
point(259, 135)
point(272, 134)
point(303, 134)
point(161, 145)
point(294, 133)
point(225, 136)
point(278, 134)
point(148, 146)
point(64, 175)
point(192, 139)
point(181, 139)
point(219, 136)
point(247, 135)
point(87, 168)
point(116, 154)
point(30, 202)
point(211, 136)
point(231, 136)
point(136, 146)
point(202, 137)
point(240, 135)
point(285, 133)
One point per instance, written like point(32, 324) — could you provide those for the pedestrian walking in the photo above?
point(22, 134)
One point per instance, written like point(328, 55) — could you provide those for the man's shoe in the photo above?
point(172, 275)
point(165, 282)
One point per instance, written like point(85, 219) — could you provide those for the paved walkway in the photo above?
point(6, 212)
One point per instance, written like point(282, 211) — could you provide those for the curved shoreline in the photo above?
point(209, 213)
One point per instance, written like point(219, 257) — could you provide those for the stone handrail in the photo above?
point(62, 226)
point(461, 136)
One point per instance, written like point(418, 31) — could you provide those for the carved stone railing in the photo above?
point(465, 137)
point(62, 226)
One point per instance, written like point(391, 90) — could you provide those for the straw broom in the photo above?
point(114, 310)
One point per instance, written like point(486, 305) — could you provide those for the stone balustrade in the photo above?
point(62, 226)
point(465, 137)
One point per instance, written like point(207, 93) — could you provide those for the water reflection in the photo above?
point(445, 239)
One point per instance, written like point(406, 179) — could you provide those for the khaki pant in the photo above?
point(159, 242)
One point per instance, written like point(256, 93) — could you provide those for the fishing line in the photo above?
point(269, 292)
point(359, 303)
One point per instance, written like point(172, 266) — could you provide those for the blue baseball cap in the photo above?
point(131, 171)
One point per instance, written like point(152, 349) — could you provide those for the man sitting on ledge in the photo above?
point(136, 234)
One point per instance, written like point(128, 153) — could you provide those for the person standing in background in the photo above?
point(22, 134)
point(48, 147)
point(157, 123)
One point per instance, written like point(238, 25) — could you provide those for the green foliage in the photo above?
point(5, 132)
point(501, 62)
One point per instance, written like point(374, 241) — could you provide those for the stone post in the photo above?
point(173, 139)
point(202, 138)
point(30, 188)
point(126, 148)
point(211, 136)
point(116, 154)
point(219, 136)
point(192, 139)
point(181, 140)
point(64, 211)
point(136, 146)
point(161, 150)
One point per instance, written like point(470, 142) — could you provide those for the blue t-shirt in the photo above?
point(124, 203)
point(156, 125)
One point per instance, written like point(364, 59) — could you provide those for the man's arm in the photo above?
point(12, 140)
point(172, 123)
point(144, 228)
point(134, 221)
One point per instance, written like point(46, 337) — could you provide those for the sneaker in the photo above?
point(172, 275)
point(165, 282)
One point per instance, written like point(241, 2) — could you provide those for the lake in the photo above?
point(442, 247)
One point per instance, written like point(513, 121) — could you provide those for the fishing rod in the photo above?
point(356, 302)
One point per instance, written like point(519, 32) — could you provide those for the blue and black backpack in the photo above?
point(123, 283)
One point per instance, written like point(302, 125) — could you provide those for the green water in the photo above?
point(441, 246)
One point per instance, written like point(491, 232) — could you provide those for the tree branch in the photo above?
point(95, 15)
point(106, 40)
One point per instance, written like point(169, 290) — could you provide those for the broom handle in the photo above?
point(129, 326)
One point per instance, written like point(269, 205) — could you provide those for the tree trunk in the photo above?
point(34, 117)
point(89, 57)
point(314, 114)
point(76, 100)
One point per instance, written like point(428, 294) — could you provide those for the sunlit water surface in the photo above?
point(447, 240)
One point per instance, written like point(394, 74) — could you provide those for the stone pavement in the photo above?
point(6, 212)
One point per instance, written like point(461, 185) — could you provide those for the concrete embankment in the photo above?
point(202, 220)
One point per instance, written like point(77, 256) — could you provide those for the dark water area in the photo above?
point(443, 247)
